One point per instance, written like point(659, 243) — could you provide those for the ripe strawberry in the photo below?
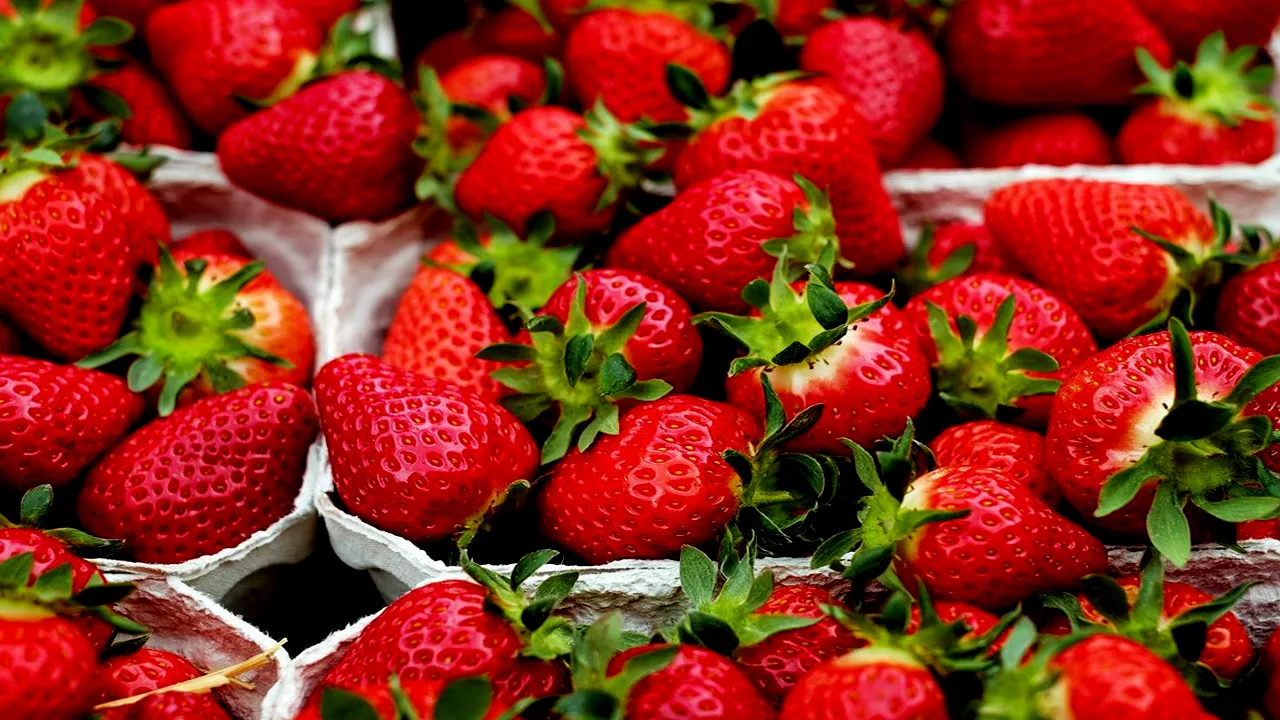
point(1158, 420)
point(211, 324)
point(1015, 451)
point(1060, 138)
point(1186, 23)
point(1007, 359)
point(146, 670)
point(213, 52)
point(214, 241)
point(1128, 281)
point(426, 697)
point(929, 154)
point(1249, 308)
point(371, 411)
point(154, 116)
point(491, 83)
point(807, 128)
point(870, 682)
point(57, 419)
point(894, 76)
point(1214, 112)
point(513, 31)
point(1010, 51)
point(176, 490)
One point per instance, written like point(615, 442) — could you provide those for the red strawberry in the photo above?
point(371, 411)
point(146, 670)
point(1025, 342)
point(47, 666)
point(213, 52)
point(55, 420)
point(489, 82)
point(1214, 112)
point(1186, 23)
point(176, 490)
point(697, 684)
point(1249, 308)
point(210, 242)
point(807, 128)
point(1158, 420)
point(894, 76)
point(1010, 51)
point(139, 209)
point(715, 237)
point(619, 57)
point(155, 118)
point(870, 683)
point(1062, 138)
point(513, 31)
point(1048, 226)
point(211, 324)
point(929, 154)
point(1015, 451)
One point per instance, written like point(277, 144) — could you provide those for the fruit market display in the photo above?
point(672, 320)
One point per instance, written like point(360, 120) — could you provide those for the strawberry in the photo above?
point(211, 324)
point(717, 235)
point(1186, 23)
point(870, 682)
point(840, 344)
point(1000, 345)
point(619, 56)
point(371, 411)
point(929, 154)
point(787, 127)
point(1214, 112)
point(1159, 420)
point(51, 48)
point(214, 241)
point(1010, 51)
point(1248, 309)
point(492, 83)
point(893, 74)
point(513, 31)
point(146, 670)
point(56, 420)
point(175, 490)
point(950, 250)
point(213, 51)
point(1059, 138)
point(1015, 451)
point(428, 698)
point(1129, 280)
point(154, 116)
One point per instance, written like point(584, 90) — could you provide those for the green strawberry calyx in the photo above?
point(514, 271)
point(979, 376)
point(579, 369)
point(188, 329)
point(547, 636)
point(44, 51)
point(1220, 88)
point(920, 274)
point(597, 695)
point(1179, 640)
point(1207, 454)
point(52, 594)
point(31, 513)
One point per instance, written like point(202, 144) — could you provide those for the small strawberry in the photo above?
point(1214, 112)
point(212, 324)
point(1249, 308)
point(214, 241)
point(1061, 138)
point(146, 670)
point(929, 154)
point(52, 48)
point(176, 490)
point(1158, 420)
point(1009, 51)
point(1186, 23)
point(1000, 345)
point(1015, 451)
point(717, 235)
point(950, 250)
point(493, 83)
point(154, 116)
point(893, 74)
point(372, 412)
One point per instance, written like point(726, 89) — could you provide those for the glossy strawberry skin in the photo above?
point(1009, 52)
point(204, 478)
point(666, 345)
point(146, 670)
point(1041, 321)
point(1186, 23)
point(1249, 308)
point(1102, 419)
point(1063, 138)
point(870, 382)
point(987, 256)
point(1038, 549)
point(442, 321)
point(48, 553)
point(812, 129)
point(213, 241)
point(775, 664)
point(55, 420)
point(1158, 133)
point(1013, 450)
point(706, 243)
point(657, 485)
point(47, 668)
point(534, 163)
point(156, 117)
point(894, 76)
point(929, 154)
point(414, 456)
point(1076, 238)
point(619, 57)
point(697, 684)
point(340, 149)
point(489, 82)
point(870, 683)
point(1111, 676)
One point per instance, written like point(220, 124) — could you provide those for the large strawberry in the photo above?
point(146, 670)
point(154, 116)
point(55, 420)
point(372, 412)
point(1000, 345)
point(893, 74)
point(1249, 308)
point(51, 48)
point(1089, 242)
point(1015, 451)
point(1186, 23)
point(716, 236)
point(1057, 138)
point(1214, 112)
point(786, 127)
point(1161, 420)
point(205, 478)
point(1010, 51)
